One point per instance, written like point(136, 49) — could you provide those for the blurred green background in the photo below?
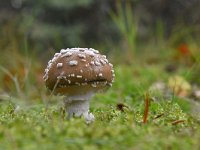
point(47, 25)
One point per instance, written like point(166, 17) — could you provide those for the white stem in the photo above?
point(78, 108)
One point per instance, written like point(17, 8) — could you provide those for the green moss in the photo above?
point(45, 128)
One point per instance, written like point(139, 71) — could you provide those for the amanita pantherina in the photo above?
point(78, 73)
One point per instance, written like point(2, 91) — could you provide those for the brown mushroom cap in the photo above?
point(78, 69)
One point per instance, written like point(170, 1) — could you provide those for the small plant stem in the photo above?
point(146, 108)
point(158, 116)
point(177, 122)
point(124, 13)
point(14, 79)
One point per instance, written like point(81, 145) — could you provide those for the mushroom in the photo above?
point(78, 73)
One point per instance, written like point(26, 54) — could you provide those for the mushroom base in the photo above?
point(78, 108)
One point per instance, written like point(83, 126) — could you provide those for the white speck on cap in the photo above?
point(72, 75)
point(81, 71)
point(50, 61)
point(54, 59)
point(45, 77)
point(92, 62)
point(104, 56)
point(106, 60)
point(58, 77)
point(100, 75)
point(67, 54)
point(73, 62)
point(83, 60)
point(50, 64)
point(91, 53)
point(82, 49)
point(56, 54)
point(102, 61)
point(81, 56)
point(97, 63)
point(61, 77)
point(59, 65)
point(79, 76)
point(95, 51)
point(62, 51)
point(110, 65)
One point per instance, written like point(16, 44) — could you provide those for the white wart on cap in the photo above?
point(78, 68)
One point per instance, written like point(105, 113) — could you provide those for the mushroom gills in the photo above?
point(100, 81)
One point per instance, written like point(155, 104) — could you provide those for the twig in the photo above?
point(158, 116)
point(146, 108)
point(177, 122)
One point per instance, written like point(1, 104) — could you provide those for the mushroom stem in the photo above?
point(78, 108)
